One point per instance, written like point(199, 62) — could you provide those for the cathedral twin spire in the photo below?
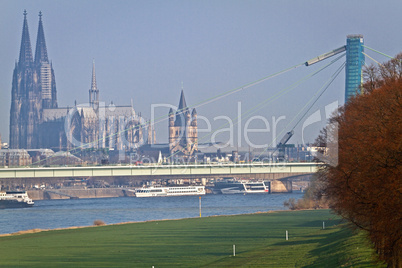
point(33, 89)
point(26, 58)
point(25, 50)
point(41, 51)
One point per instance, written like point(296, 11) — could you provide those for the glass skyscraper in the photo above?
point(354, 64)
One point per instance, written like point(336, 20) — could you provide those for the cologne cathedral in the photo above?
point(36, 121)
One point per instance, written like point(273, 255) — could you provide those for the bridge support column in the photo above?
point(281, 186)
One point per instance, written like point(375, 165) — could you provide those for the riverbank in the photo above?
point(259, 241)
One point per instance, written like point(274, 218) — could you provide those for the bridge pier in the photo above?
point(281, 186)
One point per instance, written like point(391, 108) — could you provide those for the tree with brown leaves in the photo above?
point(365, 186)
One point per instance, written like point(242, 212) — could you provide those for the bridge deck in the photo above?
point(158, 170)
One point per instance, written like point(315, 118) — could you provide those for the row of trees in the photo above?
point(364, 185)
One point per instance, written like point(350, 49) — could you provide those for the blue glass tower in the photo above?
point(354, 64)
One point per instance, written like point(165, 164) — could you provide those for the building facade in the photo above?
point(14, 158)
point(36, 121)
point(183, 134)
point(354, 63)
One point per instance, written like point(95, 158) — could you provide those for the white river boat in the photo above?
point(243, 187)
point(15, 199)
point(154, 191)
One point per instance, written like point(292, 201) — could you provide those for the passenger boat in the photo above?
point(169, 191)
point(241, 187)
point(15, 199)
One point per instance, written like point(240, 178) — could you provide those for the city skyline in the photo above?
point(144, 51)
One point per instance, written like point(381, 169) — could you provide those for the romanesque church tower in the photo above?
point(183, 136)
point(33, 89)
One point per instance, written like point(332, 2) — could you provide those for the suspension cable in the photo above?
point(378, 52)
point(262, 104)
point(322, 89)
point(379, 63)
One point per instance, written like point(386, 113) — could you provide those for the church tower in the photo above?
point(24, 95)
point(183, 139)
point(33, 88)
point(44, 67)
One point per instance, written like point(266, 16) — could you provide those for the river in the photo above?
point(52, 214)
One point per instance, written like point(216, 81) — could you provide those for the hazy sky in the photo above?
point(145, 50)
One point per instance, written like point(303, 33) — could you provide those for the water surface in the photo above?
point(51, 214)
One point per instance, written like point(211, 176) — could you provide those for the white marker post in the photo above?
point(234, 250)
point(323, 225)
point(287, 237)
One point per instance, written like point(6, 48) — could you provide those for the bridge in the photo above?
point(271, 171)
point(256, 170)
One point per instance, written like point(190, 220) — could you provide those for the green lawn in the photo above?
point(199, 242)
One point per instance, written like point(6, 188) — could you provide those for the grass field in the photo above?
point(198, 242)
